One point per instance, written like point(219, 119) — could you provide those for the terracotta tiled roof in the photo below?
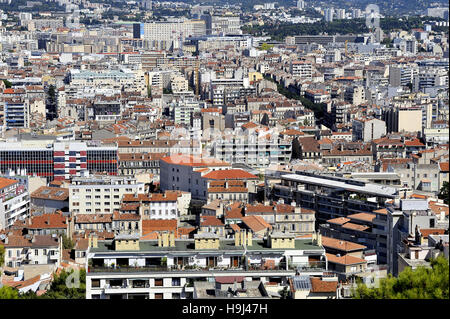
point(338, 221)
point(149, 226)
point(355, 227)
point(437, 208)
point(155, 197)
point(320, 286)
point(284, 208)
point(431, 231)
point(211, 221)
point(363, 217)
point(5, 182)
point(53, 193)
point(230, 174)
point(342, 245)
point(189, 160)
point(93, 218)
point(124, 216)
point(259, 209)
point(344, 260)
point(256, 223)
point(43, 221)
point(235, 213)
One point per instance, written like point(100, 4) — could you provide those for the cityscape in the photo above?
point(224, 150)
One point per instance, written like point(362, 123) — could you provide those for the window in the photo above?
point(36, 252)
point(45, 252)
point(159, 282)
point(95, 283)
point(176, 282)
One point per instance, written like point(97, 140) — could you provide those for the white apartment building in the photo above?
point(302, 69)
point(14, 202)
point(367, 130)
point(129, 268)
point(227, 24)
point(254, 151)
point(32, 250)
point(100, 194)
point(184, 173)
point(167, 35)
point(183, 111)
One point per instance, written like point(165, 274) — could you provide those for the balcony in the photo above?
point(251, 267)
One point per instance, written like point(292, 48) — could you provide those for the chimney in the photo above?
point(172, 239)
point(249, 239)
point(159, 240)
point(93, 241)
point(165, 239)
point(237, 238)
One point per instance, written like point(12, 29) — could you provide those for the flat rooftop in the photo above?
point(346, 184)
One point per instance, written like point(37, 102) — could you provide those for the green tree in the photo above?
point(7, 84)
point(67, 242)
point(421, 283)
point(7, 292)
point(443, 194)
point(2, 255)
point(266, 47)
point(60, 290)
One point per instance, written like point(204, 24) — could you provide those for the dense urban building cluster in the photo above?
point(173, 154)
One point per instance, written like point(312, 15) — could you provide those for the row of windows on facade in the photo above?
point(159, 282)
point(98, 190)
point(36, 252)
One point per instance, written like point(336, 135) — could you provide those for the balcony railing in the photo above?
point(310, 266)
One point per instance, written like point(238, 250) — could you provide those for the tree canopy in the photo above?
point(421, 283)
point(443, 194)
point(2, 255)
point(58, 289)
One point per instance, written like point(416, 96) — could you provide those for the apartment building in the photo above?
point(253, 150)
point(14, 202)
point(167, 268)
point(58, 160)
point(402, 119)
point(33, 250)
point(405, 219)
point(184, 172)
point(166, 35)
point(331, 196)
point(100, 194)
point(302, 69)
point(367, 130)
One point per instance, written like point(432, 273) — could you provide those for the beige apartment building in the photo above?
point(100, 194)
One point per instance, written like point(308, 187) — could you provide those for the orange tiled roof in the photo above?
point(342, 245)
point(256, 223)
point(362, 216)
point(230, 174)
point(345, 260)
point(320, 286)
point(5, 182)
